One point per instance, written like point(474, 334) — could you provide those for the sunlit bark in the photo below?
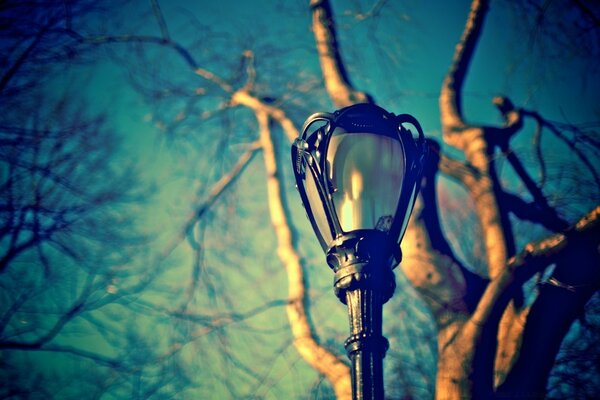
point(333, 68)
point(333, 368)
point(467, 362)
point(451, 94)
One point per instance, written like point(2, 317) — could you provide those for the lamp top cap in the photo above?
point(365, 116)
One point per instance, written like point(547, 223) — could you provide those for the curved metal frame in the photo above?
point(309, 154)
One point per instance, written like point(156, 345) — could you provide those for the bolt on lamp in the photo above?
point(358, 172)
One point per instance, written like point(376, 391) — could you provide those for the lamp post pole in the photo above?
point(364, 281)
point(358, 172)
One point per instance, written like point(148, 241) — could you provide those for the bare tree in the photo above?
point(67, 241)
point(228, 105)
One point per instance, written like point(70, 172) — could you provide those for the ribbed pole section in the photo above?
point(366, 345)
point(364, 281)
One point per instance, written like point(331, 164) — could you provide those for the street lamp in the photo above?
point(358, 172)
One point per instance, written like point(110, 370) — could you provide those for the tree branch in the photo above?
point(560, 301)
point(572, 144)
point(336, 78)
point(534, 212)
point(220, 320)
point(242, 97)
point(334, 369)
point(460, 171)
point(224, 183)
point(12, 70)
point(533, 258)
point(305, 341)
point(428, 260)
point(76, 308)
point(160, 19)
point(451, 94)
